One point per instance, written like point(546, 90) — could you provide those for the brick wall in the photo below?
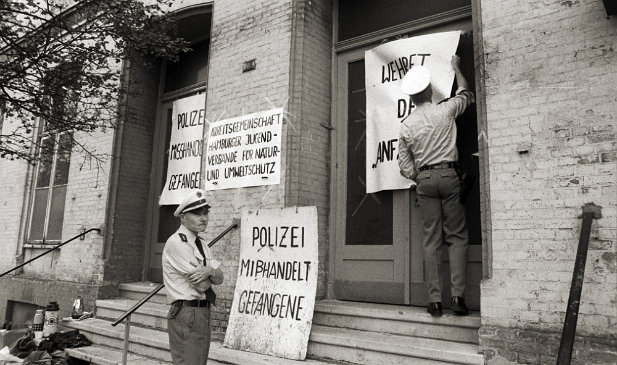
point(13, 175)
point(242, 31)
point(76, 268)
point(133, 157)
point(308, 143)
point(549, 81)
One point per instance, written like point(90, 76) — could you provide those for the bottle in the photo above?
point(37, 323)
point(51, 319)
point(78, 308)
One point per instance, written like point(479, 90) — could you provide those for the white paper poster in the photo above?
point(272, 309)
point(244, 151)
point(185, 148)
point(386, 105)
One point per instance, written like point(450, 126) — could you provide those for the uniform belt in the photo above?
point(195, 303)
point(441, 165)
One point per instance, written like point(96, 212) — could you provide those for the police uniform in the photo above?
point(189, 314)
point(428, 155)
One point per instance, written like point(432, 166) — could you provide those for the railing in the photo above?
point(127, 314)
point(50, 250)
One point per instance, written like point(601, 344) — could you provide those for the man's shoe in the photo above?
point(434, 308)
point(458, 306)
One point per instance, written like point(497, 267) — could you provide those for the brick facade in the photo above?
point(547, 123)
point(547, 80)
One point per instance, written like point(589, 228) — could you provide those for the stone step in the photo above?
point(143, 341)
point(366, 347)
point(153, 345)
point(138, 290)
point(152, 315)
point(99, 355)
point(398, 320)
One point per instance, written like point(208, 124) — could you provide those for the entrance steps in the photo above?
point(149, 344)
point(367, 333)
point(342, 333)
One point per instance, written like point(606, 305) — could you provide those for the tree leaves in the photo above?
point(64, 65)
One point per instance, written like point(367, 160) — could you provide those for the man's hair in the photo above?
point(424, 96)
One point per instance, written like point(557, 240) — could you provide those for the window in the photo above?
point(54, 156)
point(52, 176)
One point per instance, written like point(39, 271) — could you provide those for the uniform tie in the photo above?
point(210, 294)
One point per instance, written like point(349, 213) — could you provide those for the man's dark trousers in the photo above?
point(443, 216)
point(189, 336)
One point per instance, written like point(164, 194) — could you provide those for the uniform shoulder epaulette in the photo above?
point(183, 237)
point(444, 100)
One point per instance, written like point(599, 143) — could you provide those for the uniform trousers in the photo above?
point(189, 336)
point(443, 221)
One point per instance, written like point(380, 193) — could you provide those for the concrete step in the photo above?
point(148, 342)
point(153, 345)
point(138, 290)
point(99, 355)
point(397, 320)
point(367, 347)
point(152, 315)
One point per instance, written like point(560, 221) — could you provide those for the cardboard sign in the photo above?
point(273, 304)
point(386, 105)
point(244, 151)
point(185, 148)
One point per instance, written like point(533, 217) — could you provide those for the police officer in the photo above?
point(428, 155)
point(189, 271)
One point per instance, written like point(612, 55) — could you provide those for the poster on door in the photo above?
point(244, 151)
point(274, 298)
point(386, 105)
point(185, 148)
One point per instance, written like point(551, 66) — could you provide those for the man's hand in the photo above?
point(201, 273)
point(456, 62)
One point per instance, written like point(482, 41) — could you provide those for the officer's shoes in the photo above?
point(434, 308)
point(458, 306)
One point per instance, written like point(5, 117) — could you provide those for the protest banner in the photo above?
point(185, 148)
point(387, 106)
point(244, 151)
point(273, 303)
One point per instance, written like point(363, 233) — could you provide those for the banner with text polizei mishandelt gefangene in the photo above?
point(274, 298)
point(185, 148)
point(386, 105)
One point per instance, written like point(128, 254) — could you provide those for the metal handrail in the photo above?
point(139, 304)
point(127, 314)
point(50, 250)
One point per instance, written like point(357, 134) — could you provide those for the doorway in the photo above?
point(185, 77)
point(377, 237)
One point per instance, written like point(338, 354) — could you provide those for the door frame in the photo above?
point(399, 252)
point(352, 50)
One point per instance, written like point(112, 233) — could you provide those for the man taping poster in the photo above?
point(386, 105)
